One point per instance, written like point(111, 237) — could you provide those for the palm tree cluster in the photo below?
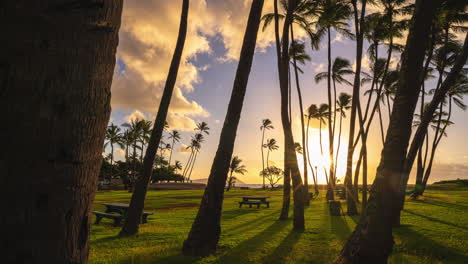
point(133, 138)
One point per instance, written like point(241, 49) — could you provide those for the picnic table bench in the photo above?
point(117, 212)
point(254, 200)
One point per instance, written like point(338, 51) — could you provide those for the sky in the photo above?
point(215, 31)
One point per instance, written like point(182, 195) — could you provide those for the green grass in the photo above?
point(434, 230)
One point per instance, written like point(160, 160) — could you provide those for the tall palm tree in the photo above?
point(291, 168)
point(138, 198)
point(332, 14)
point(202, 127)
point(175, 136)
point(266, 125)
point(270, 145)
point(177, 165)
point(205, 232)
point(236, 166)
point(311, 114)
point(372, 240)
point(145, 135)
point(113, 136)
point(321, 116)
point(55, 91)
point(299, 56)
point(194, 144)
point(344, 104)
point(198, 138)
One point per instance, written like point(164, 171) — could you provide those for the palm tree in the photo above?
point(175, 136)
point(235, 167)
point(332, 14)
point(145, 135)
point(270, 145)
point(177, 165)
point(266, 125)
point(202, 127)
point(311, 114)
point(299, 56)
point(321, 116)
point(372, 240)
point(291, 168)
point(193, 146)
point(113, 136)
point(55, 93)
point(198, 139)
point(138, 198)
point(205, 232)
point(343, 102)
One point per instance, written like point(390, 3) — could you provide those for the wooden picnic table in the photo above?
point(118, 212)
point(254, 200)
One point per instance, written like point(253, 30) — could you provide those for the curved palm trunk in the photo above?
point(229, 181)
point(301, 107)
point(112, 166)
point(289, 151)
point(372, 240)
point(189, 164)
point(59, 107)
point(193, 164)
point(339, 141)
point(206, 229)
point(263, 161)
point(138, 198)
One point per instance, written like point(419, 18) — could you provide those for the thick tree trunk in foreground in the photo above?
point(56, 71)
point(138, 198)
point(372, 240)
point(206, 229)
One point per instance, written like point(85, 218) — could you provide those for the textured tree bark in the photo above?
point(206, 229)
point(372, 240)
point(137, 203)
point(56, 71)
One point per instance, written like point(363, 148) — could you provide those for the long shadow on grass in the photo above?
point(421, 245)
point(231, 214)
point(253, 245)
point(283, 249)
point(435, 219)
point(249, 224)
point(443, 204)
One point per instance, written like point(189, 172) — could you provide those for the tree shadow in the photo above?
point(435, 219)
point(425, 247)
point(252, 245)
point(279, 254)
point(231, 214)
point(248, 224)
point(340, 227)
point(443, 204)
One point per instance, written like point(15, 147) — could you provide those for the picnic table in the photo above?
point(117, 212)
point(254, 200)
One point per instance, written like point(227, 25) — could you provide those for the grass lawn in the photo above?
point(434, 230)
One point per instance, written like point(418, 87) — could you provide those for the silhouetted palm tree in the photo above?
point(113, 136)
point(198, 138)
point(138, 198)
point(311, 114)
point(344, 104)
point(266, 125)
point(270, 145)
point(175, 136)
point(321, 116)
point(236, 166)
point(205, 232)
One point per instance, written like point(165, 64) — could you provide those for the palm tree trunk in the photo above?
point(263, 161)
point(330, 129)
point(372, 240)
point(301, 107)
point(339, 141)
point(359, 29)
point(189, 164)
point(289, 151)
point(193, 164)
point(206, 229)
point(229, 181)
point(138, 198)
point(170, 155)
point(314, 176)
point(59, 108)
point(382, 133)
point(112, 166)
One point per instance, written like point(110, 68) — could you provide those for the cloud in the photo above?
point(183, 149)
point(135, 115)
point(217, 121)
point(318, 67)
point(180, 122)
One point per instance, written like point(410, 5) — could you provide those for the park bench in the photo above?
point(117, 218)
point(251, 200)
point(118, 212)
